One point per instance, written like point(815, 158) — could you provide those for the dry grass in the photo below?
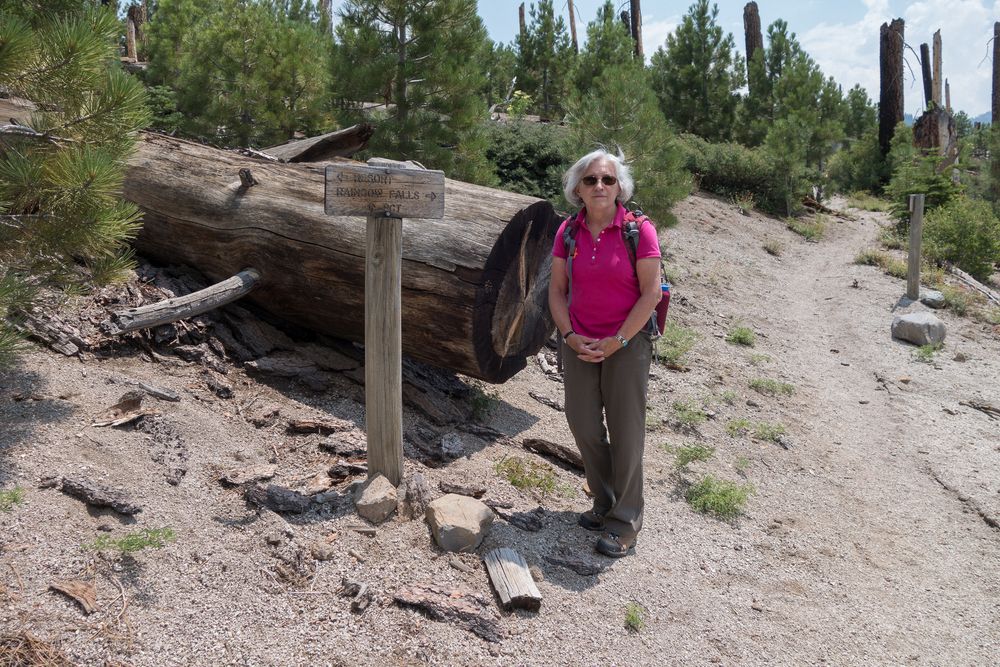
point(26, 650)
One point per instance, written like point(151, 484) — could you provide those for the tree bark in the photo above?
point(474, 285)
point(995, 118)
point(891, 88)
point(925, 71)
point(637, 29)
point(751, 30)
point(137, 14)
point(521, 23)
point(572, 27)
point(936, 77)
point(341, 143)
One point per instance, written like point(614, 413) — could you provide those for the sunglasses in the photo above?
point(591, 181)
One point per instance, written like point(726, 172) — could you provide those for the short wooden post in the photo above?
point(383, 348)
point(913, 266)
point(384, 195)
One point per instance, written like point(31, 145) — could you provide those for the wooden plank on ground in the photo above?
point(512, 580)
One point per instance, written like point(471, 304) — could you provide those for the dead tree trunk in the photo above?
point(572, 27)
point(474, 285)
point(521, 23)
point(637, 29)
point(891, 85)
point(995, 118)
point(947, 96)
point(936, 77)
point(754, 38)
point(925, 71)
point(137, 18)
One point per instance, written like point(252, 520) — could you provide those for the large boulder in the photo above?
point(376, 499)
point(458, 523)
point(918, 328)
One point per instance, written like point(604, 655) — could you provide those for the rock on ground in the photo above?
point(458, 523)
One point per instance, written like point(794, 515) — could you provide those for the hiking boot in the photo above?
point(591, 520)
point(614, 546)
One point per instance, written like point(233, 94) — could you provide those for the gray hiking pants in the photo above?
point(612, 457)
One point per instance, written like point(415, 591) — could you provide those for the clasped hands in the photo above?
point(594, 350)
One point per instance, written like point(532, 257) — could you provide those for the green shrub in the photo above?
point(530, 158)
point(634, 617)
point(769, 432)
point(866, 201)
point(684, 456)
point(737, 427)
point(482, 402)
point(741, 336)
point(718, 497)
point(810, 230)
point(771, 387)
point(859, 167)
point(527, 475)
point(773, 248)
point(734, 171)
point(674, 343)
point(919, 175)
point(966, 233)
point(925, 353)
point(960, 301)
point(871, 257)
point(891, 239)
point(689, 415)
point(134, 541)
point(10, 498)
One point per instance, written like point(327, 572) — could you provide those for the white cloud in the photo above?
point(654, 34)
point(849, 51)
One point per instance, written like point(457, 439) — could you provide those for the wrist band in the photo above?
point(567, 335)
point(622, 339)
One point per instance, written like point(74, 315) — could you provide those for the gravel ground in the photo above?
point(871, 537)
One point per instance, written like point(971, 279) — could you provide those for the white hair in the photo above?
point(572, 177)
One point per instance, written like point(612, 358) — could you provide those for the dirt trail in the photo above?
point(868, 540)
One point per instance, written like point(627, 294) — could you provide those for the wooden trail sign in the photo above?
point(385, 195)
point(390, 192)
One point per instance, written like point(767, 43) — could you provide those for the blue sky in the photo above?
point(842, 36)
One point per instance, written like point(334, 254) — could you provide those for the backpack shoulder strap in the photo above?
point(569, 240)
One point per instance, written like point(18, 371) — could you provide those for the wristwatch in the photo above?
point(621, 339)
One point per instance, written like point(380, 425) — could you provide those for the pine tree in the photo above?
point(697, 75)
point(545, 60)
point(608, 44)
point(61, 172)
point(498, 63)
point(423, 58)
point(861, 115)
point(245, 72)
point(621, 112)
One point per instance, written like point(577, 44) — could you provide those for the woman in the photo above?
point(602, 315)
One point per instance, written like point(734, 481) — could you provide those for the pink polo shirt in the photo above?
point(605, 287)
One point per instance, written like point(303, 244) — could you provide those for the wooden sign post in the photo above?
point(916, 231)
point(385, 195)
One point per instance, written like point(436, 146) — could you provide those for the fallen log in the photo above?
point(473, 284)
point(342, 143)
point(196, 303)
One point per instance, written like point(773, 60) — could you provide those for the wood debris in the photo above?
point(462, 490)
point(321, 426)
point(579, 565)
point(545, 400)
point(462, 607)
point(98, 496)
point(241, 476)
point(512, 580)
point(988, 409)
point(359, 592)
point(565, 454)
point(126, 410)
point(83, 592)
point(277, 498)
